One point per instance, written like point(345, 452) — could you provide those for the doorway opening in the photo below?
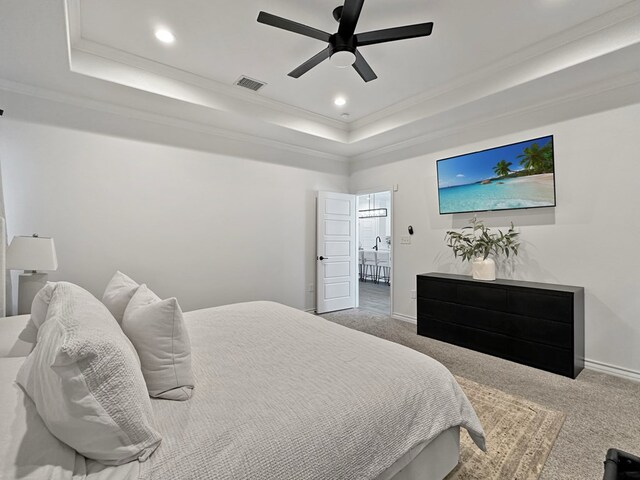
point(374, 252)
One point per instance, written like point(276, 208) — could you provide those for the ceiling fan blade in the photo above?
point(291, 26)
point(350, 14)
point(362, 67)
point(312, 62)
point(392, 34)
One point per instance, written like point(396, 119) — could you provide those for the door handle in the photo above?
point(323, 258)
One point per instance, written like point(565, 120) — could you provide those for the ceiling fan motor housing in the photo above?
point(343, 51)
point(339, 43)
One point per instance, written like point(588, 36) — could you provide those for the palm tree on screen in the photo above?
point(532, 158)
point(502, 168)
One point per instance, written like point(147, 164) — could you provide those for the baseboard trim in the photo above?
point(404, 318)
point(612, 370)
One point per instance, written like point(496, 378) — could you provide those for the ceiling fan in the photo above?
point(343, 45)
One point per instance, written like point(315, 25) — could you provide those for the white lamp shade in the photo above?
point(32, 253)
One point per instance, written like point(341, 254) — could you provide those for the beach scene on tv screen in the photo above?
point(513, 176)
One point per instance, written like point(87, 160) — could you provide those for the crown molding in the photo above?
point(104, 67)
point(364, 160)
point(73, 20)
point(358, 162)
point(211, 93)
point(581, 31)
point(133, 113)
point(544, 74)
point(611, 31)
point(151, 66)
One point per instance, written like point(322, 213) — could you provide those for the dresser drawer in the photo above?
point(443, 311)
point(437, 289)
point(477, 295)
point(551, 306)
point(544, 332)
point(550, 358)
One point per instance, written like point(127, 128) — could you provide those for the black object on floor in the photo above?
point(621, 465)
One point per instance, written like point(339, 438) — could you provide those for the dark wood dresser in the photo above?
point(536, 324)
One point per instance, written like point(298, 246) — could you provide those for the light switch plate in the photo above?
point(405, 240)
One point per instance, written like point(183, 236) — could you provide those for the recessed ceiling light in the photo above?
point(165, 36)
point(340, 101)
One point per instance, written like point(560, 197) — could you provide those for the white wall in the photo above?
point(207, 228)
point(590, 239)
point(212, 228)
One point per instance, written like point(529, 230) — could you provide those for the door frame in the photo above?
point(368, 191)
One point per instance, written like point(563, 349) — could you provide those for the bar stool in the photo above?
point(361, 264)
point(383, 267)
point(370, 267)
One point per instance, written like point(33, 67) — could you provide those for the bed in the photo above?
point(280, 394)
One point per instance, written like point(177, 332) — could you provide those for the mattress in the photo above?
point(284, 394)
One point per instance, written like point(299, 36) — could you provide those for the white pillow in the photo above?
point(40, 304)
point(84, 379)
point(118, 293)
point(158, 332)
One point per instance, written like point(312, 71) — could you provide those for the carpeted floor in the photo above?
point(601, 411)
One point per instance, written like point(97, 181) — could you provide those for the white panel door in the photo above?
point(336, 252)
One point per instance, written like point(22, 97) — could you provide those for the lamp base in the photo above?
point(28, 285)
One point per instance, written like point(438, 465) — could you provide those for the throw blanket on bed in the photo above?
point(282, 394)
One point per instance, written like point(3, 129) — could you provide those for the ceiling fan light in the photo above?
point(342, 59)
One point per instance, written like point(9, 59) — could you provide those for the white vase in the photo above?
point(483, 269)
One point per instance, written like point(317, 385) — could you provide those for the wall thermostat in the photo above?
point(410, 230)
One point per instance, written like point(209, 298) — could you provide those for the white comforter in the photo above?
point(281, 394)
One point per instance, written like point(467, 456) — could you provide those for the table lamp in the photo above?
point(31, 254)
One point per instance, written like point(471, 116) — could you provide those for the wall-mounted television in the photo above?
point(519, 175)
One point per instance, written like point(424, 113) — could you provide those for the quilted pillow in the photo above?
point(118, 293)
point(158, 332)
point(84, 379)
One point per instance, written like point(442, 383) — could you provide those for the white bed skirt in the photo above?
point(433, 462)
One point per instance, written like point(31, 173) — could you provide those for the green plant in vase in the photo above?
point(477, 244)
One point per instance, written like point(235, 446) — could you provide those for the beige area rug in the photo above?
point(520, 435)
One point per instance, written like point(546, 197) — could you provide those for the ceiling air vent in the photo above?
point(250, 83)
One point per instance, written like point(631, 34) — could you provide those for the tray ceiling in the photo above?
point(221, 40)
point(516, 64)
